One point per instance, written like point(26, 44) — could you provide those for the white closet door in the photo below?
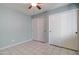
point(54, 29)
point(39, 29)
point(62, 27)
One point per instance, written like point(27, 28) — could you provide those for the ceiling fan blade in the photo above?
point(30, 7)
point(38, 7)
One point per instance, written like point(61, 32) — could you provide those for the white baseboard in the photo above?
point(15, 44)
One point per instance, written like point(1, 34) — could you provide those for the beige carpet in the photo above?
point(36, 48)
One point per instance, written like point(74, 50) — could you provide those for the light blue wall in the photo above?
point(14, 27)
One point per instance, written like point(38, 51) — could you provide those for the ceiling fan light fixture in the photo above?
point(34, 4)
point(37, 5)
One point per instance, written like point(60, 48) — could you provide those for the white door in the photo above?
point(63, 28)
point(54, 29)
point(39, 30)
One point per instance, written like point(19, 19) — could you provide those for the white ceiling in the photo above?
point(24, 7)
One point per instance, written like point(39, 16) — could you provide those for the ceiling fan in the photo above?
point(35, 5)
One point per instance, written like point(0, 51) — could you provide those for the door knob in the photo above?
point(76, 32)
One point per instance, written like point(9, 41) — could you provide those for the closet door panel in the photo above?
point(63, 28)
